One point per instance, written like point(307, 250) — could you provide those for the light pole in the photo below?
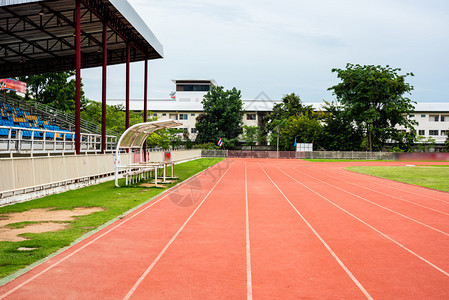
point(277, 147)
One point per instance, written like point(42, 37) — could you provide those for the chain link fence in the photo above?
point(299, 155)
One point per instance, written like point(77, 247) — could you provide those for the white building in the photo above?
point(185, 106)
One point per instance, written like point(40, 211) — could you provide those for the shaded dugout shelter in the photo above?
point(134, 138)
point(58, 35)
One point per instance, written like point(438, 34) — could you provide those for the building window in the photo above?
point(173, 117)
point(164, 115)
point(433, 132)
point(183, 116)
point(192, 115)
point(194, 88)
point(443, 132)
point(443, 118)
point(412, 116)
point(155, 114)
point(250, 116)
point(423, 116)
point(433, 118)
point(421, 132)
point(193, 130)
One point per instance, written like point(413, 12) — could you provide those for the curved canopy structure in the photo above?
point(136, 135)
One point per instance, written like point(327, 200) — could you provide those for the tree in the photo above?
point(373, 96)
point(339, 130)
point(291, 118)
point(251, 135)
point(304, 129)
point(221, 117)
point(54, 89)
point(115, 116)
point(291, 105)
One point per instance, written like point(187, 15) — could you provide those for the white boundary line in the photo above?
point(382, 193)
point(147, 271)
point(378, 231)
point(249, 287)
point(381, 206)
point(342, 265)
point(173, 189)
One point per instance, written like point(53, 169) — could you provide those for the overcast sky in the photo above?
point(280, 47)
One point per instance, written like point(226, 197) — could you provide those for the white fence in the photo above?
point(24, 178)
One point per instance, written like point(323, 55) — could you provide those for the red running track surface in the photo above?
point(262, 229)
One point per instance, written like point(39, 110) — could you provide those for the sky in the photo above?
point(282, 47)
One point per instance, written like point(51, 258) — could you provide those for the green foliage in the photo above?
point(251, 135)
point(291, 106)
point(115, 116)
point(405, 141)
point(424, 144)
point(55, 89)
point(165, 139)
point(291, 119)
point(374, 98)
point(222, 116)
point(446, 143)
point(207, 146)
point(306, 130)
point(340, 132)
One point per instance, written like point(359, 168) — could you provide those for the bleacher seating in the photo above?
point(15, 117)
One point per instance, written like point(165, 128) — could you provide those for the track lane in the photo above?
point(107, 264)
point(407, 231)
point(385, 268)
point(207, 259)
point(288, 260)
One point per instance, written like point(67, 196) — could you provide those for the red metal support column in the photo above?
point(127, 84)
point(103, 94)
point(78, 78)
point(145, 99)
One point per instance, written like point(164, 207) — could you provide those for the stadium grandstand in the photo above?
point(43, 150)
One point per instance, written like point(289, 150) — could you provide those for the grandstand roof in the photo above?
point(38, 36)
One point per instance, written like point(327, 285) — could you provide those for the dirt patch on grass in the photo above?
point(48, 220)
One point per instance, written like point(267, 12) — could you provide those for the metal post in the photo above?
point(103, 99)
point(277, 148)
point(127, 84)
point(145, 108)
point(78, 78)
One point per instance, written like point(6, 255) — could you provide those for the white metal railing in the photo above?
point(24, 140)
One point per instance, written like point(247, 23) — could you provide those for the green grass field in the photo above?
point(431, 176)
point(114, 201)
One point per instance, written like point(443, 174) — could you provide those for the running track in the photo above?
point(262, 229)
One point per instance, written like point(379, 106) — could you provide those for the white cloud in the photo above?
point(288, 46)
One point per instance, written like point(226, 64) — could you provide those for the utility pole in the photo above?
point(277, 147)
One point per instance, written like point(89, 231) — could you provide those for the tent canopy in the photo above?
point(136, 135)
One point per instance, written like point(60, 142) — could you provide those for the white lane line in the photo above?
point(374, 203)
point(342, 265)
point(249, 287)
point(382, 193)
point(378, 231)
point(171, 190)
point(147, 271)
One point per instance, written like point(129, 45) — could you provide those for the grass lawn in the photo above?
point(114, 201)
point(434, 176)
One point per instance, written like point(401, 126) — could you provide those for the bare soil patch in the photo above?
point(49, 220)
